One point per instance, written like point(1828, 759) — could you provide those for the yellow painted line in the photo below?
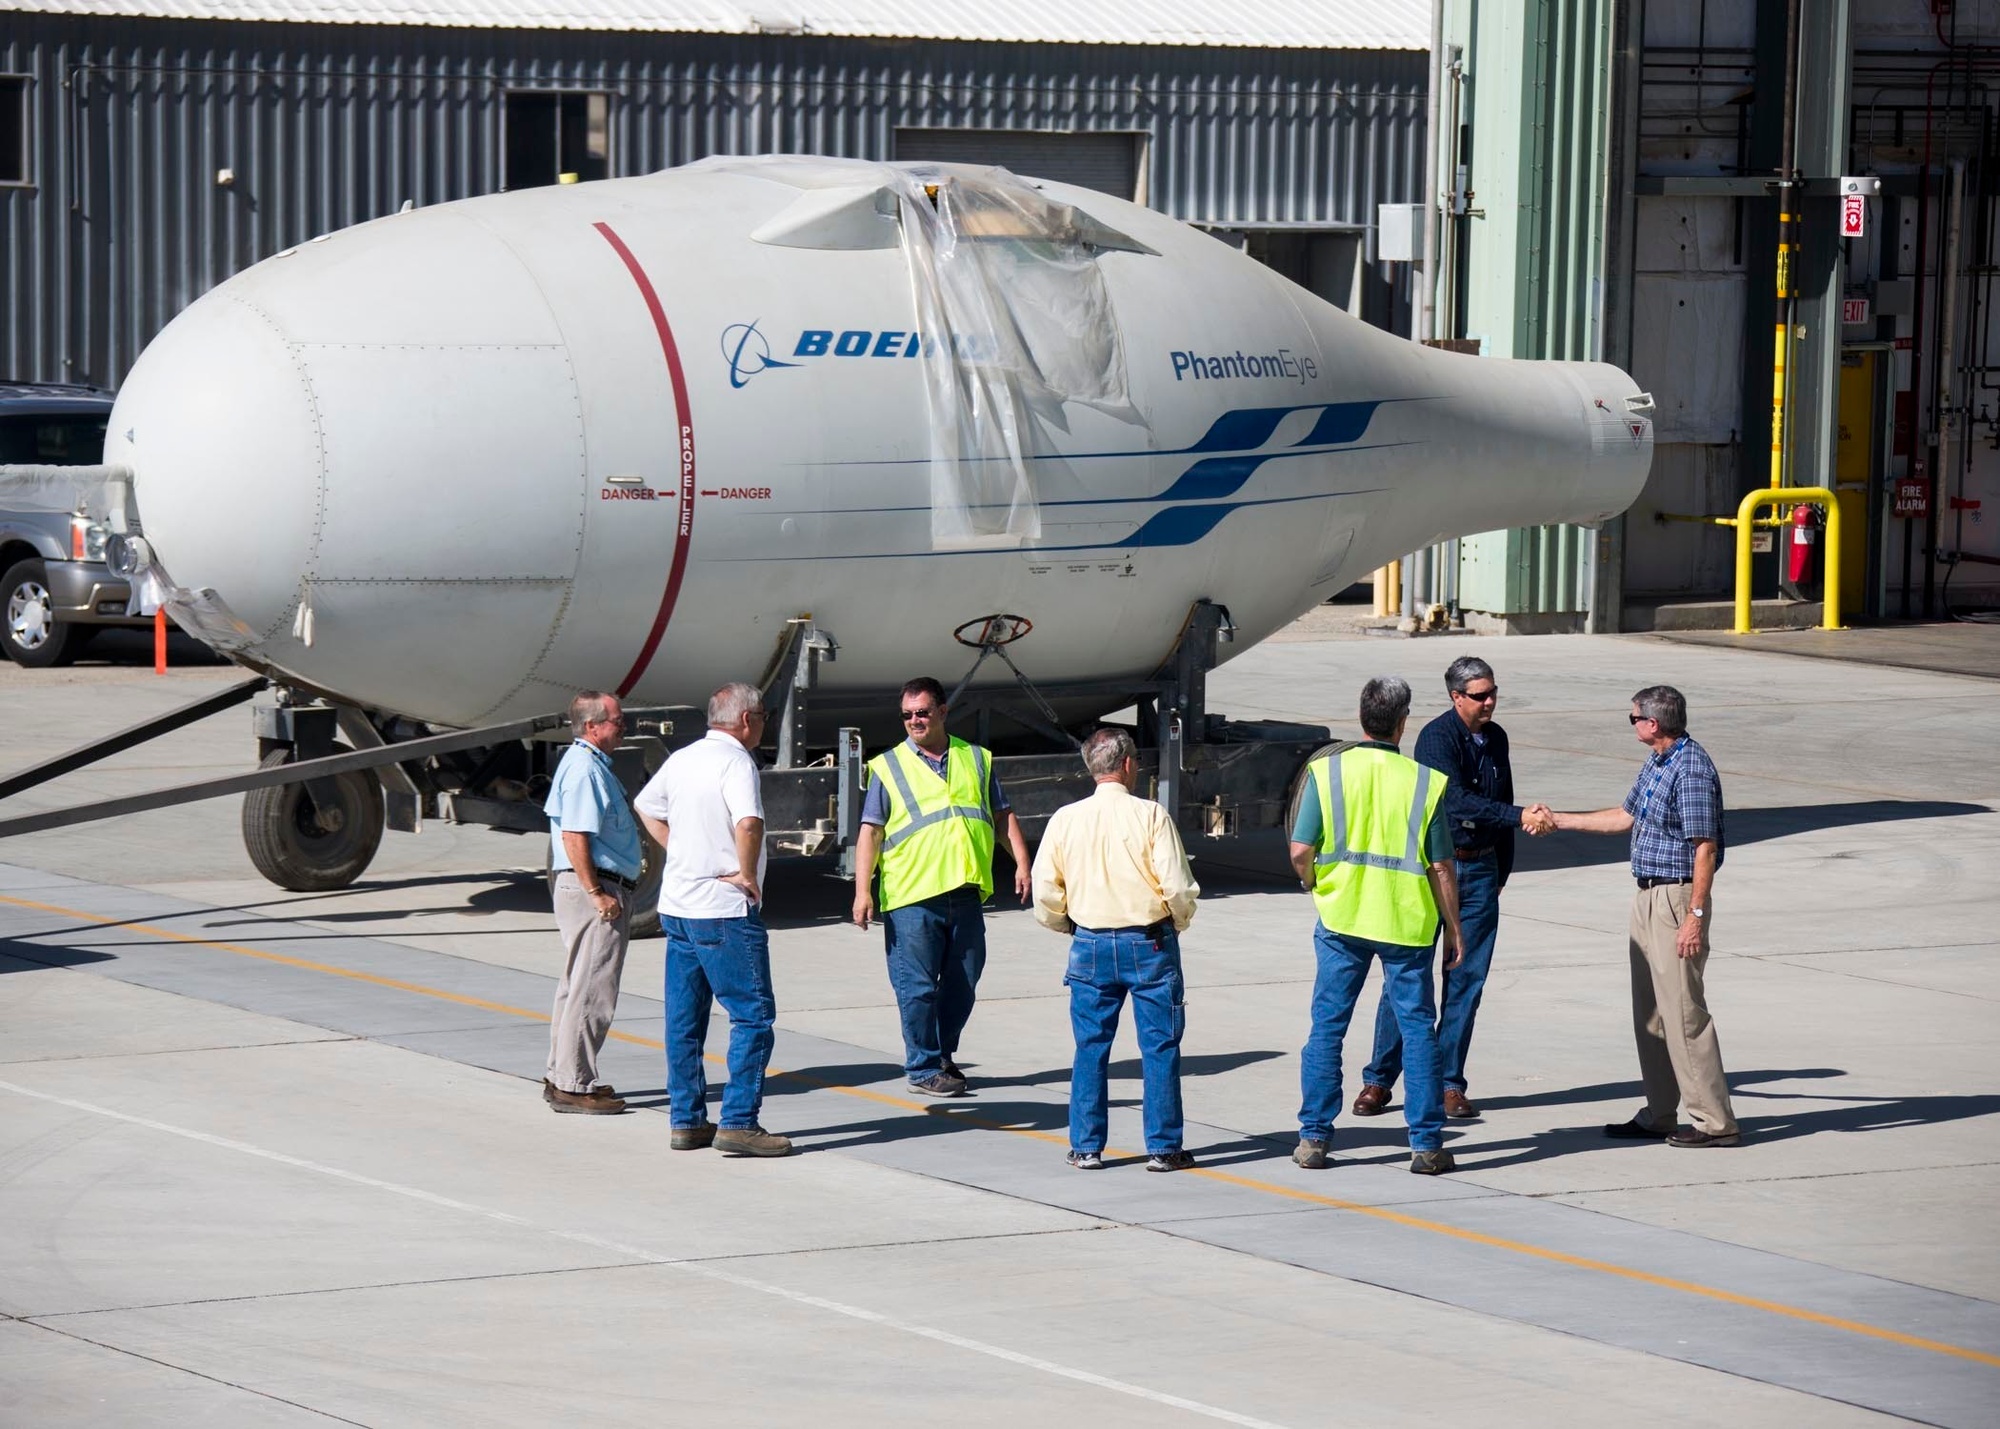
point(1273, 1188)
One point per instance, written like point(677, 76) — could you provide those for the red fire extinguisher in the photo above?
point(1805, 524)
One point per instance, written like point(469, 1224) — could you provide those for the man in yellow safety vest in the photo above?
point(1372, 847)
point(932, 809)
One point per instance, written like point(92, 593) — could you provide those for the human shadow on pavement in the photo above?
point(1859, 1114)
point(1742, 826)
point(1194, 1064)
point(1049, 1121)
point(1612, 1091)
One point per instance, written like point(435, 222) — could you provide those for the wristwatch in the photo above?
point(1699, 912)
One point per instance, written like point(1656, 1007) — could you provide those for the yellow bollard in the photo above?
point(1746, 520)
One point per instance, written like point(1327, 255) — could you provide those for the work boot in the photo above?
point(752, 1141)
point(1431, 1163)
point(692, 1138)
point(1310, 1154)
point(583, 1103)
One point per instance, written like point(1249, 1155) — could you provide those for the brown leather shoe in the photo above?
point(584, 1103)
point(1458, 1106)
point(1695, 1136)
point(1371, 1100)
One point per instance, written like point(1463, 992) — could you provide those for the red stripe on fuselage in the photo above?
point(684, 530)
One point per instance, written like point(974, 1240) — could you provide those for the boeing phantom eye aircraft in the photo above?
point(438, 471)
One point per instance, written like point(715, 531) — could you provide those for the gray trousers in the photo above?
point(1680, 1060)
point(587, 993)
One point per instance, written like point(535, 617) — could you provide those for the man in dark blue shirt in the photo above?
point(1464, 744)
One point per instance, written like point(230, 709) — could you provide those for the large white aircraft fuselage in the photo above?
point(460, 462)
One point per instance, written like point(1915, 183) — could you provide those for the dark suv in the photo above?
point(55, 591)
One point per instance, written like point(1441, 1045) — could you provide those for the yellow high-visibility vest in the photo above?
point(940, 831)
point(1375, 807)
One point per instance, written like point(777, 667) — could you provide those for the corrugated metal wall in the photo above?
point(1534, 264)
point(328, 126)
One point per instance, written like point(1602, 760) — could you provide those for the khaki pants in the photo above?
point(1680, 1060)
point(587, 993)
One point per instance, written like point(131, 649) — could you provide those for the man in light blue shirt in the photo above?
point(594, 849)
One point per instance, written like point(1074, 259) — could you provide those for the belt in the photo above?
point(1154, 931)
point(1661, 882)
point(605, 875)
point(1473, 855)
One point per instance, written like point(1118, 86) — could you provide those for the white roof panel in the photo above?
point(1267, 24)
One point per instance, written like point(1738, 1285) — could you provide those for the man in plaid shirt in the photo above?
point(1674, 814)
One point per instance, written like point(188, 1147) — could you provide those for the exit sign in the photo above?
point(1853, 311)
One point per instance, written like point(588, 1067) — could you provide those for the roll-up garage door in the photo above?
point(1108, 163)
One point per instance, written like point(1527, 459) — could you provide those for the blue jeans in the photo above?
point(1103, 968)
point(1406, 984)
point(728, 959)
point(937, 950)
point(1479, 924)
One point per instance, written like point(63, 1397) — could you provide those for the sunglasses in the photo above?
point(1636, 718)
point(1480, 697)
point(913, 716)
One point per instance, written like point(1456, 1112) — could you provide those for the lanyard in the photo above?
point(1665, 768)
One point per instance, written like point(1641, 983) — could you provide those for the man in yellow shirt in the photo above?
point(1111, 872)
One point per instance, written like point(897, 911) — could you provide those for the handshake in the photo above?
point(1540, 819)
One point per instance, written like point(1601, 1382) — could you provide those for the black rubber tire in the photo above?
point(29, 581)
point(644, 913)
point(1299, 780)
point(281, 833)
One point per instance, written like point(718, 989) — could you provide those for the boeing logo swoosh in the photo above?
point(747, 353)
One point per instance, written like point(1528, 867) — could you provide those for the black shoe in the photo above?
point(1170, 1161)
point(951, 1069)
point(1695, 1136)
point(1633, 1131)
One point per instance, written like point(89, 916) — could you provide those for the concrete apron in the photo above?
point(1865, 1340)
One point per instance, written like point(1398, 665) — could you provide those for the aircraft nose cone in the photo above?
point(216, 423)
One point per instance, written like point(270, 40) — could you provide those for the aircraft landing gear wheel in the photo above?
point(307, 849)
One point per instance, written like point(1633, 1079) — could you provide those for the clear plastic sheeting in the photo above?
point(204, 615)
point(1014, 317)
point(1016, 322)
point(92, 491)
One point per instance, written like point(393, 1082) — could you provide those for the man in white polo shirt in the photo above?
point(705, 809)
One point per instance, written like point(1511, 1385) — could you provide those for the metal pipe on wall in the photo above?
point(1787, 242)
point(1426, 323)
point(1945, 401)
